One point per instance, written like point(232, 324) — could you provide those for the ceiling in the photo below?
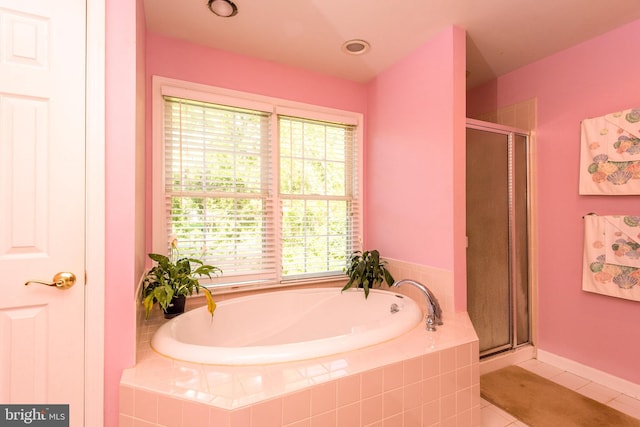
point(502, 35)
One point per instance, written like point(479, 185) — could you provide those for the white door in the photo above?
point(42, 202)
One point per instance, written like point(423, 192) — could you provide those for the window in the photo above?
point(316, 195)
point(264, 189)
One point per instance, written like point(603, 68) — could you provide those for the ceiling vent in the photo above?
point(355, 47)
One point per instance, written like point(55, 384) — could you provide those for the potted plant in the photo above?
point(173, 278)
point(365, 270)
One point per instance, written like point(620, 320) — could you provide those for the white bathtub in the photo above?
point(286, 326)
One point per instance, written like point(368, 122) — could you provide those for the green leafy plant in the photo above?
point(366, 270)
point(170, 278)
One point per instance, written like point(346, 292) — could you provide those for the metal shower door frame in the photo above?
point(510, 132)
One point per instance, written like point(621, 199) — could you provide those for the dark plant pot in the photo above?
point(176, 307)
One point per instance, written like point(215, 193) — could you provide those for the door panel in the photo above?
point(25, 331)
point(42, 156)
point(488, 300)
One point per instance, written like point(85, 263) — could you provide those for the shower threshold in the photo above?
point(507, 358)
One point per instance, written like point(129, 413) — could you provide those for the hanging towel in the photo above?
point(610, 154)
point(611, 263)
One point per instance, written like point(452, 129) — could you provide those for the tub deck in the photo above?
point(451, 350)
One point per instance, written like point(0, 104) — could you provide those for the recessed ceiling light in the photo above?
point(355, 47)
point(224, 8)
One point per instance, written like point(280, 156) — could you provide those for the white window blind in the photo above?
point(218, 187)
point(225, 206)
point(318, 196)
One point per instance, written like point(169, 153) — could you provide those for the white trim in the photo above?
point(218, 95)
point(95, 214)
point(320, 114)
point(592, 374)
point(158, 227)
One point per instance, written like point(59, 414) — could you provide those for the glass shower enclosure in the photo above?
point(497, 212)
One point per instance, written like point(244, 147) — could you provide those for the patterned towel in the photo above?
point(610, 154)
point(612, 255)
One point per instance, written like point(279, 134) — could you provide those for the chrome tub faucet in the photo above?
point(434, 312)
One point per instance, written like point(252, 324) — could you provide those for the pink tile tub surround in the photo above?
point(417, 379)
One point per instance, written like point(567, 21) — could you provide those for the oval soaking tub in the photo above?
point(286, 325)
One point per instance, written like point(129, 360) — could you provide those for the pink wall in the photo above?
point(415, 155)
point(124, 41)
point(177, 59)
point(591, 79)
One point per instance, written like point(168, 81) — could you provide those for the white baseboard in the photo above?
point(592, 374)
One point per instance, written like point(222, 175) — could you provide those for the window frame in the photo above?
point(163, 86)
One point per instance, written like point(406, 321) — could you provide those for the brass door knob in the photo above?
point(61, 281)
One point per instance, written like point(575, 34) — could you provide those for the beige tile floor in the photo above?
point(492, 416)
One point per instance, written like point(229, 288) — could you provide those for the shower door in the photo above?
point(497, 236)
